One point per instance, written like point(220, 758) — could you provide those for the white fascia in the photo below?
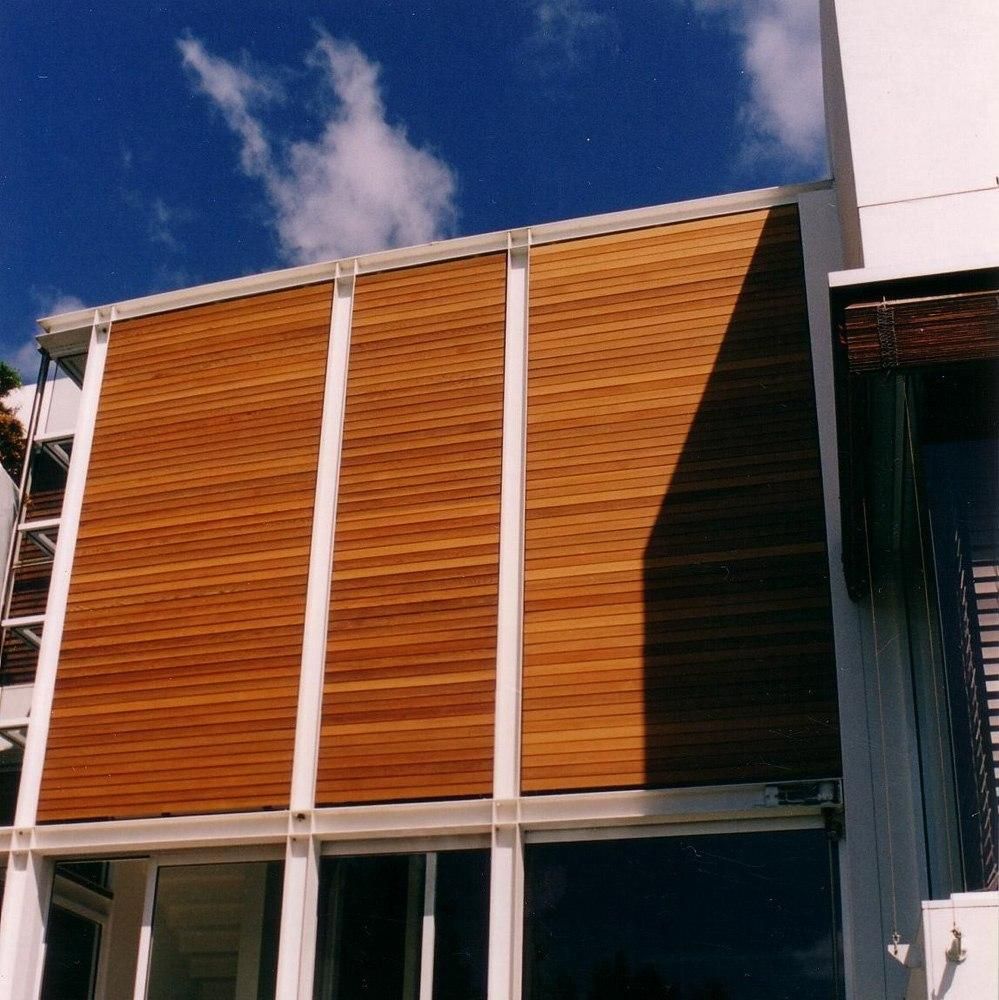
point(907, 270)
point(59, 330)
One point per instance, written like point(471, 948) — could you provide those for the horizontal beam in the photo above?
point(66, 333)
point(724, 804)
point(142, 835)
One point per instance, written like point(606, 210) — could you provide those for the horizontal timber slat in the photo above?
point(676, 609)
point(410, 673)
point(182, 644)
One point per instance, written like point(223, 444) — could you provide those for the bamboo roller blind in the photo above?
point(177, 683)
point(677, 624)
point(909, 333)
point(410, 676)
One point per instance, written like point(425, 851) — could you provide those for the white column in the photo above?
point(22, 925)
point(505, 896)
point(510, 612)
point(299, 910)
point(145, 949)
point(864, 875)
point(301, 875)
point(29, 876)
point(62, 566)
point(506, 891)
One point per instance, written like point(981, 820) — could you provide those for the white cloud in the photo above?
point(162, 219)
point(782, 59)
point(567, 30)
point(360, 186)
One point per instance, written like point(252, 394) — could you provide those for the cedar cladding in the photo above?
point(410, 676)
point(677, 622)
point(177, 683)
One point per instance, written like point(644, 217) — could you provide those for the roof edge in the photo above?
point(462, 246)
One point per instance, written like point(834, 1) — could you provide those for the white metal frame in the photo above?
point(304, 834)
point(29, 875)
point(61, 335)
point(296, 954)
point(864, 858)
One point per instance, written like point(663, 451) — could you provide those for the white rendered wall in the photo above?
point(976, 976)
point(912, 104)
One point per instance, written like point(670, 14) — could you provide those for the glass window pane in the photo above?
point(370, 928)
point(372, 925)
point(736, 917)
point(461, 918)
point(215, 931)
point(71, 944)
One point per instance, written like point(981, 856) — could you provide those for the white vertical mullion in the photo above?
point(299, 911)
point(301, 874)
point(22, 928)
point(510, 611)
point(506, 861)
point(317, 599)
point(146, 934)
point(867, 967)
point(62, 565)
point(29, 876)
point(429, 928)
point(506, 890)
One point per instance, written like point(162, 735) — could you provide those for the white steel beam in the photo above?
point(167, 833)
point(510, 610)
point(62, 565)
point(296, 953)
point(506, 861)
point(145, 949)
point(22, 924)
point(299, 918)
point(407, 819)
point(317, 601)
point(506, 893)
point(864, 938)
point(59, 340)
point(429, 928)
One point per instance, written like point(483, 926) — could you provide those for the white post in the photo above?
point(510, 612)
point(428, 939)
point(29, 876)
point(506, 862)
point(299, 910)
point(145, 951)
point(301, 876)
point(62, 566)
point(506, 890)
point(862, 858)
point(22, 925)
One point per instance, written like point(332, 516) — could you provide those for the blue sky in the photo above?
point(148, 146)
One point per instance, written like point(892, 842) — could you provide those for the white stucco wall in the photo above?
point(912, 100)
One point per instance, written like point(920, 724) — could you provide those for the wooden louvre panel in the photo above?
point(178, 674)
point(912, 333)
point(410, 674)
point(677, 624)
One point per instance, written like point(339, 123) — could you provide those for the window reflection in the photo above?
point(735, 917)
point(215, 932)
point(384, 919)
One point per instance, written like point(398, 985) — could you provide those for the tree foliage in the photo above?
point(11, 432)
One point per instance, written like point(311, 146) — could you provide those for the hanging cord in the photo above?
point(895, 936)
point(941, 757)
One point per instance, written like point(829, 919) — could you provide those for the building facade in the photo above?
point(601, 609)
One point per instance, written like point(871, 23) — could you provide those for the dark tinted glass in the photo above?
point(736, 917)
point(461, 914)
point(70, 956)
point(370, 924)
